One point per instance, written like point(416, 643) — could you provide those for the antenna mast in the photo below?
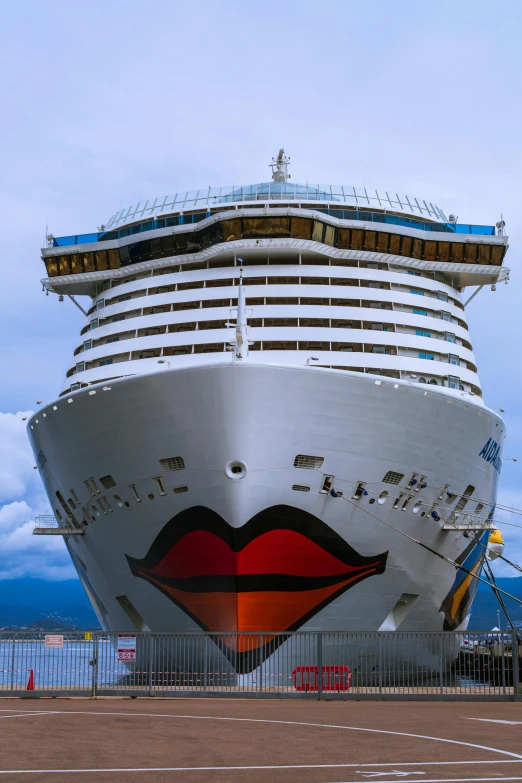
point(279, 167)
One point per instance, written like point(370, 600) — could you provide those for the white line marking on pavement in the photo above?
point(494, 720)
point(443, 780)
point(217, 769)
point(268, 721)
point(395, 772)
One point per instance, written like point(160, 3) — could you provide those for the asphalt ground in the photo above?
point(246, 741)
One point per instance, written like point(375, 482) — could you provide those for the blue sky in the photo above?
point(108, 103)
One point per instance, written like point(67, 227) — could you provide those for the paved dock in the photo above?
point(241, 741)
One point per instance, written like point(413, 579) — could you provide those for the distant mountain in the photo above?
point(35, 603)
point(53, 605)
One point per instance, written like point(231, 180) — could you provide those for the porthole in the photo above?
point(423, 513)
point(118, 501)
point(383, 497)
point(417, 507)
point(372, 500)
point(96, 511)
point(236, 469)
point(151, 496)
point(127, 504)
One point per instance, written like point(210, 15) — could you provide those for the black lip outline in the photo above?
point(272, 518)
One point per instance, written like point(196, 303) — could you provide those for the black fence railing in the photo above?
point(359, 665)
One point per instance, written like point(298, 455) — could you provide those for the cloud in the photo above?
point(22, 553)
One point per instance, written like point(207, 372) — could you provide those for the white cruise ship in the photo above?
point(271, 383)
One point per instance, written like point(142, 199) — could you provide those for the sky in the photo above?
point(107, 103)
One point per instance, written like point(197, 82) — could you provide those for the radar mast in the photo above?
point(279, 167)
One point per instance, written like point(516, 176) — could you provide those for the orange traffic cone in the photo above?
point(30, 681)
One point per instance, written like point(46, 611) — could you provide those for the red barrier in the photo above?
point(334, 678)
point(30, 681)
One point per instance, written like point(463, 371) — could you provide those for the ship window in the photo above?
point(106, 508)
point(453, 382)
point(87, 345)
point(300, 488)
point(406, 503)
point(422, 333)
point(135, 493)
point(423, 355)
point(445, 315)
point(329, 235)
point(179, 490)
point(75, 496)
point(453, 359)
point(317, 233)
point(172, 463)
point(442, 296)
point(104, 362)
point(159, 485)
point(308, 462)
point(377, 327)
point(393, 478)
point(58, 514)
point(468, 492)
point(398, 500)
point(107, 482)
point(376, 305)
point(450, 337)
point(419, 312)
point(92, 486)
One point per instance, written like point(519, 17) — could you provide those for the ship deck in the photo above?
point(198, 741)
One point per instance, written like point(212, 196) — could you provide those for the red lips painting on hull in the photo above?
point(267, 577)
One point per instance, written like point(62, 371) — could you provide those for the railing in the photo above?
point(49, 525)
point(363, 665)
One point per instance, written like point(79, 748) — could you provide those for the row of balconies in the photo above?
point(330, 323)
point(277, 345)
point(423, 310)
point(323, 281)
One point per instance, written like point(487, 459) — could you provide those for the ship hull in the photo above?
point(245, 551)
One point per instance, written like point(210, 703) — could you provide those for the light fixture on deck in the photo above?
point(312, 359)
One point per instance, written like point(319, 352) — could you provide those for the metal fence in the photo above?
point(323, 665)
